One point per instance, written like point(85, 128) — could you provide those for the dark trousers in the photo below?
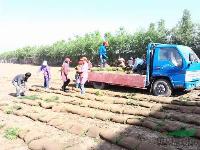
point(66, 83)
point(141, 68)
point(46, 82)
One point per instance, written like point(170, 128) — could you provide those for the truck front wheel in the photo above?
point(197, 88)
point(162, 87)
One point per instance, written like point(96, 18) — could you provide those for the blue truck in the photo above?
point(169, 67)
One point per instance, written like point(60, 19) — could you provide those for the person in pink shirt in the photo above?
point(83, 74)
point(64, 73)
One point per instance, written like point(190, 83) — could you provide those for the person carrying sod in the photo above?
point(83, 74)
point(46, 72)
point(64, 73)
point(19, 83)
point(78, 70)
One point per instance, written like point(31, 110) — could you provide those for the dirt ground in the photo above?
point(115, 118)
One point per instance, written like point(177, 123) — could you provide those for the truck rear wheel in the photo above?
point(98, 85)
point(162, 87)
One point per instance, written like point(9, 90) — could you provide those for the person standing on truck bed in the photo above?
point(137, 61)
point(103, 54)
point(64, 73)
point(19, 83)
point(130, 62)
point(142, 67)
point(121, 63)
point(129, 66)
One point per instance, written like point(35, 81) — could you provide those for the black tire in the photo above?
point(197, 88)
point(98, 85)
point(162, 87)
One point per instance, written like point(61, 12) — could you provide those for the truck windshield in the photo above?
point(191, 56)
point(172, 55)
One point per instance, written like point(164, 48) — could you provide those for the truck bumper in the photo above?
point(192, 85)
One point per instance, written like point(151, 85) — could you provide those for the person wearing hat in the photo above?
point(121, 63)
point(46, 72)
point(78, 70)
point(19, 83)
point(64, 73)
point(83, 74)
point(103, 54)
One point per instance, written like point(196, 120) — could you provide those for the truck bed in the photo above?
point(121, 79)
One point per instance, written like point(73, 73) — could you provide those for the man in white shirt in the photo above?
point(138, 61)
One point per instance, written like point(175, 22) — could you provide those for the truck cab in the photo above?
point(171, 67)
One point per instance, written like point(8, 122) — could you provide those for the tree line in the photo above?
point(121, 43)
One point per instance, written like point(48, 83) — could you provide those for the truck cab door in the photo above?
point(168, 62)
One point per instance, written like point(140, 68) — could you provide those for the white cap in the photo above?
point(44, 63)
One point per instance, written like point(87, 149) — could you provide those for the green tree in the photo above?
point(162, 31)
point(184, 29)
point(196, 40)
point(120, 44)
point(140, 41)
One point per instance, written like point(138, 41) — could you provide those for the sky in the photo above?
point(40, 22)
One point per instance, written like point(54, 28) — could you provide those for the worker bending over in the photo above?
point(19, 83)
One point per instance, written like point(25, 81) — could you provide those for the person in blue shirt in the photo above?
point(137, 62)
point(103, 54)
point(140, 65)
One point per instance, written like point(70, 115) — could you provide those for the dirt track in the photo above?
point(114, 118)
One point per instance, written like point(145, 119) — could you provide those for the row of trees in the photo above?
point(122, 43)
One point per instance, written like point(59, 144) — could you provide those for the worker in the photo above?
point(46, 72)
point(129, 67)
point(137, 61)
point(103, 54)
point(78, 70)
point(130, 62)
point(64, 74)
point(19, 83)
point(141, 68)
point(83, 74)
point(121, 63)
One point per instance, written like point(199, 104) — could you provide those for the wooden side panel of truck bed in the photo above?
point(129, 80)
